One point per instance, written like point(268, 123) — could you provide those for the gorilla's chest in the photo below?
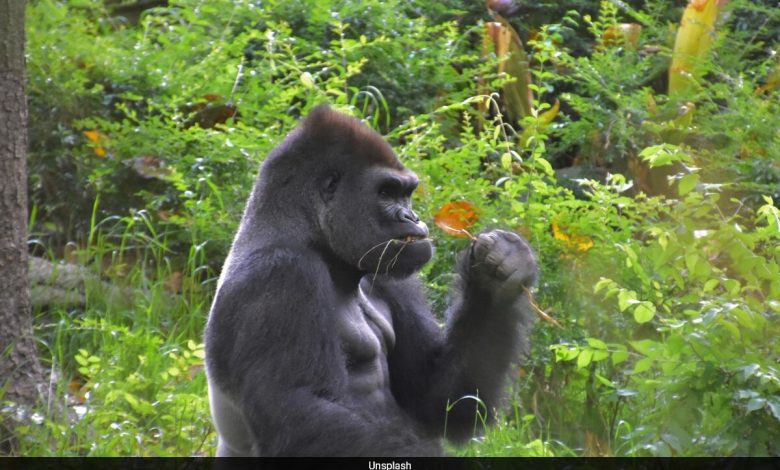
point(366, 336)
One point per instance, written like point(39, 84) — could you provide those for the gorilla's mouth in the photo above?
point(411, 238)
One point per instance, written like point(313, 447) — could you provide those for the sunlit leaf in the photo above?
point(573, 241)
point(774, 407)
point(98, 139)
point(771, 81)
point(93, 136)
point(644, 312)
point(755, 404)
point(647, 347)
point(687, 183)
point(622, 33)
point(584, 358)
point(307, 80)
point(455, 218)
point(643, 365)
point(619, 356)
point(596, 343)
point(626, 298)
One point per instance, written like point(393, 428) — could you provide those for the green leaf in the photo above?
point(643, 365)
point(602, 283)
point(81, 360)
point(600, 355)
point(774, 407)
point(675, 344)
point(545, 165)
point(755, 404)
point(647, 347)
point(605, 381)
point(133, 401)
point(644, 312)
point(619, 356)
point(625, 299)
point(307, 79)
point(710, 285)
point(584, 358)
point(506, 161)
point(690, 262)
point(596, 343)
point(687, 183)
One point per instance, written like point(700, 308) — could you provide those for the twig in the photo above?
point(541, 313)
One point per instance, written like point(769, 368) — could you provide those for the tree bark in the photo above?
point(20, 372)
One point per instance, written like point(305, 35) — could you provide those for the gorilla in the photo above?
point(320, 341)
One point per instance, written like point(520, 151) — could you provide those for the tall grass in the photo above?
point(127, 367)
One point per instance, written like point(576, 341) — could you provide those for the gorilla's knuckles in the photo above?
point(503, 261)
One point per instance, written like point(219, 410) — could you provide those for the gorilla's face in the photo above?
point(368, 221)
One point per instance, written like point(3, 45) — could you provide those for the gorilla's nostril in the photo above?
point(410, 216)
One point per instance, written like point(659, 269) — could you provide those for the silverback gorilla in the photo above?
point(320, 341)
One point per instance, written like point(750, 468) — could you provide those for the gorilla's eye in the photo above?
point(390, 188)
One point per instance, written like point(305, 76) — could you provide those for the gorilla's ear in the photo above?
point(328, 185)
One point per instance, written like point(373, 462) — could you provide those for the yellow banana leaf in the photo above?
point(692, 44)
point(514, 62)
point(541, 123)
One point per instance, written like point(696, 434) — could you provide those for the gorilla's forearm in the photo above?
point(482, 342)
point(432, 368)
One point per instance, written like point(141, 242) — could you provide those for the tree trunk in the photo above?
point(20, 371)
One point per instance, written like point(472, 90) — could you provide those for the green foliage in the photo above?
point(146, 139)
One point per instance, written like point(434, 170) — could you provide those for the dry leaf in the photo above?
point(173, 282)
point(454, 218)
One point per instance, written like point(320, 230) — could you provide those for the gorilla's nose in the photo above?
point(410, 216)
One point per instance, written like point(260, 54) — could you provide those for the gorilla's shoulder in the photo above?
point(271, 270)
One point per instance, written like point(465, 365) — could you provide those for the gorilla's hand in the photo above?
point(502, 264)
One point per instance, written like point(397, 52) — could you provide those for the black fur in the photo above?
point(320, 341)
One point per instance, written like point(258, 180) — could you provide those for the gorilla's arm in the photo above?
point(488, 324)
point(274, 352)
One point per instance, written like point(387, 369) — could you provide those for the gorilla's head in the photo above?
point(345, 186)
